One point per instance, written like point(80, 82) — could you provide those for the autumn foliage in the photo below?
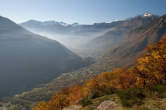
point(149, 69)
point(57, 102)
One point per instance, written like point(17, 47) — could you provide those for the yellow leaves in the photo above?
point(143, 60)
point(151, 67)
point(140, 67)
point(126, 79)
point(74, 93)
point(57, 102)
point(41, 106)
point(155, 55)
point(149, 70)
point(164, 56)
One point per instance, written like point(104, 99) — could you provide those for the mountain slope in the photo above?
point(118, 33)
point(28, 59)
point(74, 36)
point(54, 27)
point(137, 40)
point(144, 80)
point(97, 37)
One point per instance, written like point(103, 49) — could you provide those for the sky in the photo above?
point(80, 11)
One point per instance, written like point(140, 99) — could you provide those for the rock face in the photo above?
point(106, 105)
point(73, 107)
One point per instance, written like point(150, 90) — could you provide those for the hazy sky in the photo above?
point(81, 11)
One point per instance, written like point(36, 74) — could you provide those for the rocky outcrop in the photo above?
point(73, 107)
point(106, 105)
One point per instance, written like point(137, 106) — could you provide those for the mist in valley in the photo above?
point(75, 42)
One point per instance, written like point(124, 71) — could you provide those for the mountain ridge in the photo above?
point(24, 54)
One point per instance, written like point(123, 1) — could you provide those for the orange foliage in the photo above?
point(126, 79)
point(149, 69)
point(57, 102)
point(74, 93)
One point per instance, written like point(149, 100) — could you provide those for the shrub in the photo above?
point(131, 97)
point(159, 88)
point(85, 101)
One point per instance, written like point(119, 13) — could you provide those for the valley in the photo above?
point(28, 59)
point(82, 55)
point(120, 47)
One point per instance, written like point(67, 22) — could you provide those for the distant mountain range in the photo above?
point(119, 32)
point(54, 27)
point(98, 36)
point(64, 28)
point(28, 59)
point(74, 36)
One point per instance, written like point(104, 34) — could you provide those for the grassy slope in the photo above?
point(153, 103)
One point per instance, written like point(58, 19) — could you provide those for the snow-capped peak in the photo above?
point(147, 15)
point(63, 23)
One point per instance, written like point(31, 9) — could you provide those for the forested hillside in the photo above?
point(148, 71)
